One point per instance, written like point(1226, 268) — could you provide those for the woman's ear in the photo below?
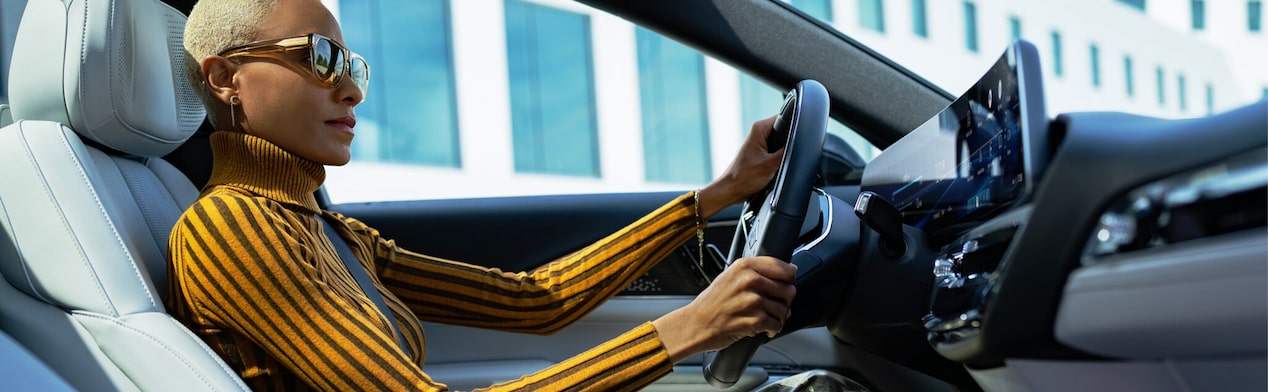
point(218, 72)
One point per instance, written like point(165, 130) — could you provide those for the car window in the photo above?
point(534, 97)
point(10, 15)
point(1165, 58)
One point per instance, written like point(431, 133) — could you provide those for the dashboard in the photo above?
point(1045, 245)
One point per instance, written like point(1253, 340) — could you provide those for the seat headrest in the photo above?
point(110, 69)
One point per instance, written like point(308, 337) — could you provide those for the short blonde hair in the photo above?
point(216, 25)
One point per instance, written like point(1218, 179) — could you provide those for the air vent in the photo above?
point(1227, 197)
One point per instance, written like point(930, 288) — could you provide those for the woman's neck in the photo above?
point(257, 165)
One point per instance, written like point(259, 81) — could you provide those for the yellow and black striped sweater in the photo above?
point(255, 277)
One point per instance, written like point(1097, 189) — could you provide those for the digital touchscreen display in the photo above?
point(971, 159)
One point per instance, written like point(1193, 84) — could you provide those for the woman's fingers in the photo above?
point(766, 286)
point(750, 297)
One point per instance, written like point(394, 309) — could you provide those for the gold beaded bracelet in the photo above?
point(699, 231)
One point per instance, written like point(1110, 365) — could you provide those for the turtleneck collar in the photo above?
point(258, 166)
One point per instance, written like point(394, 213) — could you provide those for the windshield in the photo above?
point(1165, 58)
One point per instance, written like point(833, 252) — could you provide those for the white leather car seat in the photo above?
point(22, 371)
point(86, 203)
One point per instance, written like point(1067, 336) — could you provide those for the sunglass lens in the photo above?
point(327, 61)
point(360, 74)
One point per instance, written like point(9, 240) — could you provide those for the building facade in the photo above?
point(662, 116)
point(473, 98)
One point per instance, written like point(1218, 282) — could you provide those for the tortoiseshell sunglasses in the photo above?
point(328, 61)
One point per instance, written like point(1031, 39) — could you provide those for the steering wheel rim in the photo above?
point(771, 220)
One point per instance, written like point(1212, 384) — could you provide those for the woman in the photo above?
point(253, 275)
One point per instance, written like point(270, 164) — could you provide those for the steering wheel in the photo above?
point(771, 220)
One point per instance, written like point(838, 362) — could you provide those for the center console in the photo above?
point(963, 179)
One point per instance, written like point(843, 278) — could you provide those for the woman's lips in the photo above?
point(344, 124)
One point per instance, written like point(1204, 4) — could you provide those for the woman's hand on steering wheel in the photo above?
point(750, 171)
point(753, 296)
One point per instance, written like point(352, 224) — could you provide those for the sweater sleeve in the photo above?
point(242, 267)
point(548, 298)
point(540, 301)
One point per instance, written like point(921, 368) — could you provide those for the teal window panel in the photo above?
point(674, 110)
point(550, 64)
point(414, 118)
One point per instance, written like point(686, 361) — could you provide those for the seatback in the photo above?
point(86, 204)
point(22, 371)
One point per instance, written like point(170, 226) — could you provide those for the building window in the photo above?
point(970, 26)
point(1198, 13)
point(919, 18)
point(872, 15)
point(1095, 54)
point(757, 101)
point(1180, 89)
point(1210, 99)
point(1129, 76)
point(1014, 27)
point(553, 124)
point(1138, 4)
point(1254, 15)
point(1057, 64)
point(414, 119)
point(675, 114)
point(820, 9)
point(1162, 90)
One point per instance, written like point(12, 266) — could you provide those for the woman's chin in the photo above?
point(339, 159)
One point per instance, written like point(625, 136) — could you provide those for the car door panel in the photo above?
point(466, 357)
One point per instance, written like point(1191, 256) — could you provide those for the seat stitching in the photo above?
point(157, 341)
point(79, 166)
point(48, 192)
point(26, 272)
point(83, 65)
point(220, 363)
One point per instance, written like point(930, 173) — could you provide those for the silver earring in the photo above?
point(234, 101)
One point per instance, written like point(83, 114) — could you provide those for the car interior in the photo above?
point(991, 246)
